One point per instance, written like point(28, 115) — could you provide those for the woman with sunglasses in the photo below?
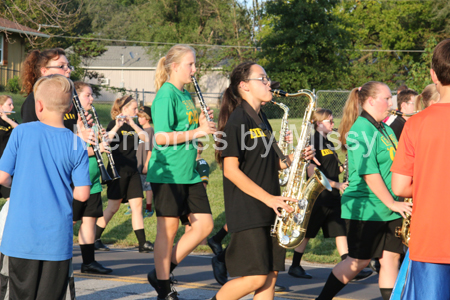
point(326, 213)
point(44, 63)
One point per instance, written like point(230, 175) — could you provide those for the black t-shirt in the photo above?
point(248, 142)
point(397, 125)
point(28, 113)
point(124, 146)
point(5, 133)
point(329, 166)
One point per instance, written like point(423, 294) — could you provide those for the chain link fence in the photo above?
point(333, 100)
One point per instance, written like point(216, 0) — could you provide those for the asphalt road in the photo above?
point(195, 279)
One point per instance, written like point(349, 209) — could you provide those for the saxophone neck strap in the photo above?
point(262, 125)
point(378, 125)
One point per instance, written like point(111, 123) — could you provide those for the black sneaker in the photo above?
point(219, 270)
point(95, 268)
point(279, 288)
point(362, 275)
point(215, 246)
point(172, 296)
point(299, 272)
point(375, 265)
point(153, 280)
point(147, 247)
point(98, 245)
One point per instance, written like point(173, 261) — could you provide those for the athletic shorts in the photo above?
point(145, 184)
point(254, 252)
point(90, 208)
point(427, 281)
point(368, 239)
point(28, 279)
point(327, 218)
point(4, 192)
point(128, 186)
point(179, 200)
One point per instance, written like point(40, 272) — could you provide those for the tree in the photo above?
point(420, 71)
point(304, 46)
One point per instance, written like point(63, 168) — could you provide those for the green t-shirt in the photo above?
point(173, 110)
point(94, 174)
point(369, 152)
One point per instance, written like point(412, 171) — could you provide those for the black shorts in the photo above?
point(4, 192)
point(368, 239)
point(29, 279)
point(179, 200)
point(254, 252)
point(90, 208)
point(128, 186)
point(327, 218)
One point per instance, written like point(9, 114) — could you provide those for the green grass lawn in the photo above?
point(120, 233)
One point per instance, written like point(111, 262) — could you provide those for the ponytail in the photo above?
point(355, 101)
point(164, 68)
point(230, 100)
point(428, 95)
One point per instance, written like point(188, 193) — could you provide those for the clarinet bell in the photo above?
point(115, 174)
point(105, 178)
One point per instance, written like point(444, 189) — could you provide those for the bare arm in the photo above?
point(402, 185)
point(81, 193)
point(5, 179)
point(235, 175)
point(145, 168)
point(378, 187)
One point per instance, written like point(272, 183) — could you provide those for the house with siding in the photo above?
point(13, 39)
point(133, 68)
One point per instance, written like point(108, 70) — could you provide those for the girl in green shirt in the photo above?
point(368, 204)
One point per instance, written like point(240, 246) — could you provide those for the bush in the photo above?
point(13, 85)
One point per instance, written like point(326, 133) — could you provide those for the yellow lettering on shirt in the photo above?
point(124, 133)
point(326, 152)
point(5, 128)
point(256, 133)
point(69, 117)
point(192, 116)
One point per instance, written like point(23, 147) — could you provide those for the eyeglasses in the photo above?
point(64, 67)
point(331, 121)
point(264, 79)
point(410, 102)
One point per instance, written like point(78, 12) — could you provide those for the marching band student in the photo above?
point(178, 188)
point(251, 189)
point(406, 102)
point(90, 210)
point(368, 204)
point(326, 213)
point(6, 126)
point(419, 172)
point(429, 95)
point(38, 235)
point(124, 135)
point(144, 152)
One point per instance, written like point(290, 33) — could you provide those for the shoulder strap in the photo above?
point(262, 125)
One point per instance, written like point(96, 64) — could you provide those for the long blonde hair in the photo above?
point(428, 94)
point(120, 103)
point(3, 99)
point(355, 100)
point(164, 67)
point(321, 114)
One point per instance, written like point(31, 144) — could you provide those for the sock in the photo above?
point(386, 293)
point(140, 235)
point(88, 253)
point(344, 256)
point(98, 232)
point(172, 266)
point(220, 235)
point(149, 207)
point(296, 259)
point(164, 288)
point(331, 288)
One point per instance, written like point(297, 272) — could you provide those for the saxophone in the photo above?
point(290, 228)
point(284, 146)
point(403, 232)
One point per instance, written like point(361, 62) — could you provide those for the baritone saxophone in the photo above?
point(290, 228)
point(404, 232)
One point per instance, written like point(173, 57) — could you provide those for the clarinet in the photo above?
point(115, 174)
point(103, 173)
point(202, 102)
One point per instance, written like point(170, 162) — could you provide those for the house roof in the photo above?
point(133, 57)
point(10, 26)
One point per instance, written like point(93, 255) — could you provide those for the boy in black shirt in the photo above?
point(406, 101)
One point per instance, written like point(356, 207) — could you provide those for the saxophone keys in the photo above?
point(284, 240)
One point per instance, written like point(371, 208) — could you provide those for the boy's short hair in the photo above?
point(55, 91)
point(145, 112)
point(402, 88)
point(405, 96)
point(441, 61)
